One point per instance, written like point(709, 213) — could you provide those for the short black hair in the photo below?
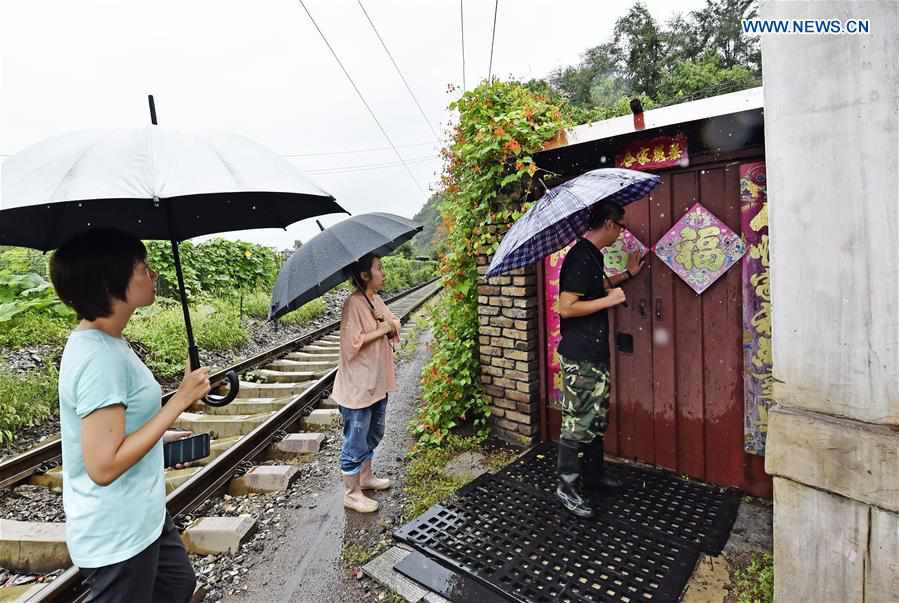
point(360, 266)
point(92, 268)
point(601, 212)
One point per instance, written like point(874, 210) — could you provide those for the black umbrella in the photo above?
point(155, 184)
point(319, 265)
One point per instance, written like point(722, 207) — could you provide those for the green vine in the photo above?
point(489, 172)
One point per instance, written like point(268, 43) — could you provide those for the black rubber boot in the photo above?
point(595, 479)
point(568, 490)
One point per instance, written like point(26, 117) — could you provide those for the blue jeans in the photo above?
point(363, 429)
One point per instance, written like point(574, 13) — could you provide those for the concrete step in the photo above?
point(323, 349)
point(51, 479)
point(289, 366)
point(264, 479)
point(176, 477)
point(217, 447)
point(314, 357)
point(33, 546)
point(248, 406)
point(284, 377)
point(220, 426)
point(217, 535)
point(19, 594)
point(297, 445)
point(324, 418)
point(248, 389)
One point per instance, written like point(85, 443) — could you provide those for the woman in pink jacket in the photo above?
point(365, 375)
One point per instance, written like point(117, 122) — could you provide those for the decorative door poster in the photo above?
point(655, 154)
point(552, 265)
point(615, 256)
point(700, 248)
point(757, 370)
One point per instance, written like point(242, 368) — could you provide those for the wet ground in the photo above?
point(315, 560)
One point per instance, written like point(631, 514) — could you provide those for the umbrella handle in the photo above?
point(233, 387)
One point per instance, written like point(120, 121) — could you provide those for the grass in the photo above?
point(160, 329)
point(35, 328)
point(755, 583)
point(426, 482)
point(27, 400)
point(257, 305)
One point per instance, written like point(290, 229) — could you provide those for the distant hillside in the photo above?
point(426, 242)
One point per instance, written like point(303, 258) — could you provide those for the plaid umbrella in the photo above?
point(561, 215)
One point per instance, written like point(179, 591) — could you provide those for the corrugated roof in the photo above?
point(714, 106)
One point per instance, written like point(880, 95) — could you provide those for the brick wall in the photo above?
point(510, 368)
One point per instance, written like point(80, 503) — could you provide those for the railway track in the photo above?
point(289, 381)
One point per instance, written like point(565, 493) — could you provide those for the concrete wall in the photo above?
point(833, 181)
point(832, 152)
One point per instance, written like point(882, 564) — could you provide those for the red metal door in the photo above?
point(678, 395)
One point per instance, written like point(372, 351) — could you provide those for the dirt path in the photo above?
point(308, 565)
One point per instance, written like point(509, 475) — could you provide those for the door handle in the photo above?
point(642, 308)
point(658, 308)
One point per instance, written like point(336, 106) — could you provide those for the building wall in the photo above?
point(832, 152)
point(509, 340)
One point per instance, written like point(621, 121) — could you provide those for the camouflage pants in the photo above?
point(585, 400)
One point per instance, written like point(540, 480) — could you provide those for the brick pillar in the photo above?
point(510, 366)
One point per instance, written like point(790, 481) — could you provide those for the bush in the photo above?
point(755, 583)
point(26, 400)
point(160, 329)
point(402, 273)
point(35, 328)
point(218, 266)
point(304, 313)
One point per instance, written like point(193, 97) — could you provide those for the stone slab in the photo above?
point(19, 594)
point(270, 376)
point(820, 545)
point(217, 535)
point(248, 406)
point(317, 357)
point(264, 479)
point(289, 366)
point(249, 389)
point(300, 443)
point(217, 447)
point(380, 569)
point(220, 426)
point(33, 546)
point(322, 417)
point(52, 479)
point(176, 477)
point(329, 402)
point(857, 460)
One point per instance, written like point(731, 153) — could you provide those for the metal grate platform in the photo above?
point(651, 501)
point(527, 548)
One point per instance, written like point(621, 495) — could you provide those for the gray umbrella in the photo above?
point(318, 266)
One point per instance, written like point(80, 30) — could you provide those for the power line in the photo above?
point(492, 40)
point(397, 67)
point(368, 166)
point(362, 98)
point(462, 25)
point(351, 152)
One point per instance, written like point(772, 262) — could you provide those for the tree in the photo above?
point(718, 27)
point(639, 43)
point(705, 77)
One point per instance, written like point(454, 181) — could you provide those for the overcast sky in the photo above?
point(261, 69)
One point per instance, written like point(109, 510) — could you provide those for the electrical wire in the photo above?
point(399, 72)
point(462, 25)
point(492, 40)
point(361, 97)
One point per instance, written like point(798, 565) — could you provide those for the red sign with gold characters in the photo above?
point(658, 153)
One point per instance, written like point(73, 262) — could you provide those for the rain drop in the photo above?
point(254, 208)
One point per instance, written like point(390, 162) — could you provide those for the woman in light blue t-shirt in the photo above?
point(117, 529)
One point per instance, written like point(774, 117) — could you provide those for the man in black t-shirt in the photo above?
point(585, 296)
